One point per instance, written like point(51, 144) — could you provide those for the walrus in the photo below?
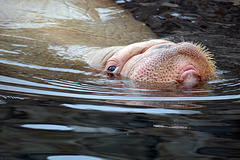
point(156, 61)
point(115, 42)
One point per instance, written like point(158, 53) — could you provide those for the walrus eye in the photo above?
point(111, 68)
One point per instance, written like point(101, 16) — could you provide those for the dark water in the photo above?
point(55, 108)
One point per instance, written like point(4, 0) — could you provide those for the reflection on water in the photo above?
point(73, 158)
point(53, 106)
point(131, 110)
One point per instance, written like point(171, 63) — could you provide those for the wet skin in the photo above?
point(154, 61)
point(158, 61)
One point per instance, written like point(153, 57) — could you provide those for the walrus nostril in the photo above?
point(191, 79)
point(190, 76)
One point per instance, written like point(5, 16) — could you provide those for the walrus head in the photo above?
point(163, 62)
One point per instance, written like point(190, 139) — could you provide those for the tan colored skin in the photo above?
point(56, 30)
point(157, 61)
point(47, 25)
point(91, 23)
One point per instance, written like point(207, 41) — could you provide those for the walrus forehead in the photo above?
point(157, 49)
point(152, 55)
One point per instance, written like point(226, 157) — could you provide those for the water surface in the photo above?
point(54, 106)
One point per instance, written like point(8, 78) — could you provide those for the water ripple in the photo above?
point(7, 62)
point(74, 128)
point(160, 111)
point(74, 157)
point(125, 98)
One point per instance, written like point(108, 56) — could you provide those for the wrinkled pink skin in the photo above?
point(160, 61)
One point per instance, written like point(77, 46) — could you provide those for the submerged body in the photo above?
point(95, 23)
point(56, 27)
point(53, 34)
